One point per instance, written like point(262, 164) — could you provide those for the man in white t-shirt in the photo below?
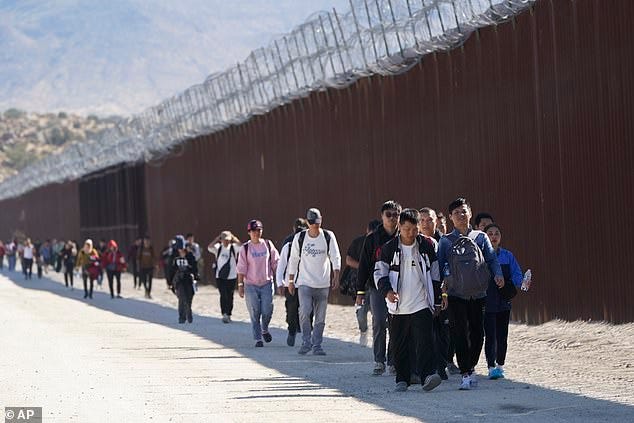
point(404, 275)
point(225, 248)
point(314, 257)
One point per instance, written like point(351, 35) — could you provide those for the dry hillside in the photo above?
point(27, 137)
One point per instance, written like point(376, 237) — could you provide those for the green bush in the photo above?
point(14, 113)
point(17, 156)
point(58, 136)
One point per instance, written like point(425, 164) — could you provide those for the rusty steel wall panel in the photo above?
point(47, 212)
point(530, 120)
point(112, 205)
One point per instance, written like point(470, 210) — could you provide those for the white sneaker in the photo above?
point(401, 387)
point(465, 383)
point(474, 380)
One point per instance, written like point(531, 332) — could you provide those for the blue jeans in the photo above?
point(312, 300)
point(11, 263)
point(362, 313)
point(379, 327)
point(260, 305)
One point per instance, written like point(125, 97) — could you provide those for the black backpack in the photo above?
point(223, 273)
point(300, 240)
point(470, 274)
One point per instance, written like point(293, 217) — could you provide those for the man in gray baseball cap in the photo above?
point(315, 261)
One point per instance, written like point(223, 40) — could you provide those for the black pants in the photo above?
point(416, 329)
point(292, 311)
point(496, 330)
point(467, 331)
point(68, 277)
point(112, 275)
point(185, 293)
point(226, 287)
point(135, 273)
point(39, 270)
point(441, 339)
point(86, 278)
point(145, 278)
point(27, 268)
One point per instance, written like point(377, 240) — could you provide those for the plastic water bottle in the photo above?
point(526, 282)
point(195, 285)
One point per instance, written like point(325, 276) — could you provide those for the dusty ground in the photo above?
point(128, 360)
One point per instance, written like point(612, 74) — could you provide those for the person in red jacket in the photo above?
point(114, 263)
point(2, 252)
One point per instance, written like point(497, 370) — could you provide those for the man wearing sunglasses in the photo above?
point(390, 212)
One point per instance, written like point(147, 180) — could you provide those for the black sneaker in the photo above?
point(290, 339)
point(259, 344)
point(267, 337)
point(443, 374)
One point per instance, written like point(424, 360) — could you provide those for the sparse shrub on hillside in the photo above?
point(17, 156)
point(27, 137)
point(14, 113)
point(59, 136)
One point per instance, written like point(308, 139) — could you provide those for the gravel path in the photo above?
point(128, 360)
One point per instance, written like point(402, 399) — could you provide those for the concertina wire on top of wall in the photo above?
point(330, 49)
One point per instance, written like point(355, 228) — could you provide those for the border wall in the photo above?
point(531, 120)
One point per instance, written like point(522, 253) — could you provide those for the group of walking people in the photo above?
point(436, 294)
point(90, 262)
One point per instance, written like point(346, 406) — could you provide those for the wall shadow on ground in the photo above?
point(493, 400)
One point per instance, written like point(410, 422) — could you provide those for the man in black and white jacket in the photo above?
point(404, 275)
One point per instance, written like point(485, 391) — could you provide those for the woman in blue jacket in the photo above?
point(498, 309)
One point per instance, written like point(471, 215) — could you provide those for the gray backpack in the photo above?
point(470, 274)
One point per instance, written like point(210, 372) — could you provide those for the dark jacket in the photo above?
point(387, 275)
point(512, 274)
point(185, 269)
point(370, 253)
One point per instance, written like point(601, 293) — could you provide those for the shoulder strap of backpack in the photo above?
point(302, 236)
point(246, 247)
point(473, 235)
point(328, 238)
point(232, 251)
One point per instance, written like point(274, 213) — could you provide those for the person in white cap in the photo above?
point(313, 268)
point(225, 248)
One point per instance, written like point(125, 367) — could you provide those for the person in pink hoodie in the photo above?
point(257, 262)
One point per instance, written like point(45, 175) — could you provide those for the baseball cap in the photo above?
point(179, 242)
point(253, 225)
point(313, 215)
